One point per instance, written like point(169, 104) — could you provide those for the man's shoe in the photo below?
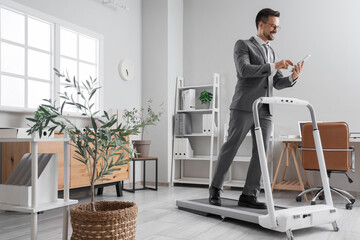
point(251, 202)
point(214, 196)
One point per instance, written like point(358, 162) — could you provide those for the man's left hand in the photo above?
point(297, 70)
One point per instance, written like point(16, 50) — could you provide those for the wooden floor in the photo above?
point(159, 219)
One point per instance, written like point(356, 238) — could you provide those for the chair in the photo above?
point(335, 142)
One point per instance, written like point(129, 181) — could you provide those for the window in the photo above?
point(26, 60)
point(28, 55)
point(78, 57)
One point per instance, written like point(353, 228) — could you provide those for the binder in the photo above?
point(182, 148)
point(207, 124)
point(188, 99)
point(176, 148)
point(183, 124)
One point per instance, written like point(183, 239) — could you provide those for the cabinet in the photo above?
point(12, 153)
point(198, 168)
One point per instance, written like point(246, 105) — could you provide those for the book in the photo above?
point(8, 132)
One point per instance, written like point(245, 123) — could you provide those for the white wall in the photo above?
point(162, 63)
point(326, 29)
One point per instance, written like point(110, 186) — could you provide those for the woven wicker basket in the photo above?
point(112, 220)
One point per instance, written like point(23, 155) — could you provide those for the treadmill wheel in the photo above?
point(298, 198)
point(349, 206)
point(313, 203)
point(322, 197)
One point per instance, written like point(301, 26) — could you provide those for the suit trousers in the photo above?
point(240, 124)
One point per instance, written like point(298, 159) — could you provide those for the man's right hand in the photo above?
point(283, 64)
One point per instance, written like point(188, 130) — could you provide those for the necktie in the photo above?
point(270, 59)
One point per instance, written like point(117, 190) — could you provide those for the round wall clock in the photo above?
point(126, 69)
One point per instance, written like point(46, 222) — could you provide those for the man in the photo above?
point(257, 72)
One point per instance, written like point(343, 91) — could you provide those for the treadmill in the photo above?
point(277, 218)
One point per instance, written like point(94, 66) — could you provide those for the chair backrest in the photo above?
point(334, 135)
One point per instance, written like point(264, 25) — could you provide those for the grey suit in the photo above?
point(253, 73)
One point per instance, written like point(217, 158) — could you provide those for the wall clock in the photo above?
point(126, 69)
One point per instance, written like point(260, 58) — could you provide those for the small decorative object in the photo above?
point(101, 147)
point(206, 97)
point(126, 69)
point(142, 118)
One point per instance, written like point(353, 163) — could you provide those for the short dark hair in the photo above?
point(264, 15)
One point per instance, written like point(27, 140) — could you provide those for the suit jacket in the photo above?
point(252, 74)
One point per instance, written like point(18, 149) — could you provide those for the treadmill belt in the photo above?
point(228, 208)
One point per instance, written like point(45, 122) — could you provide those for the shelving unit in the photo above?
point(205, 146)
point(35, 207)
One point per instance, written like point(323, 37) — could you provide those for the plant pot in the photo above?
point(112, 220)
point(142, 147)
point(207, 105)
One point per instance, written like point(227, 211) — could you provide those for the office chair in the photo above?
point(335, 142)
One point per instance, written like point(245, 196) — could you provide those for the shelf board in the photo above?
point(242, 159)
point(196, 87)
point(199, 158)
point(195, 135)
point(41, 207)
point(198, 111)
point(234, 183)
point(189, 180)
point(34, 139)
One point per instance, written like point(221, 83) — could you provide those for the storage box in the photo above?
point(17, 190)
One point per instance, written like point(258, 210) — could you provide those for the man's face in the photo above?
point(270, 28)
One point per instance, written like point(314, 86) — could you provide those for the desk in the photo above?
point(290, 147)
point(35, 208)
point(144, 160)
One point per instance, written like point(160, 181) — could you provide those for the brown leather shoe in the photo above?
point(251, 202)
point(214, 196)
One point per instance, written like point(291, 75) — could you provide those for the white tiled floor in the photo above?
point(159, 218)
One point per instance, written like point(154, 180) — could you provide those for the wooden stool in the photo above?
point(290, 147)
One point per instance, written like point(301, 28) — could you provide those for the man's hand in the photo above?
point(297, 70)
point(283, 64)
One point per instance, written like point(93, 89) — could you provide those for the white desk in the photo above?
point(35, 208)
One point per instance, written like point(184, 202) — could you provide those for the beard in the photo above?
point(269, 36)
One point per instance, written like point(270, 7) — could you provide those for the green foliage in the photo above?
point(205, 97)
point(142, 117)
point(97, 146)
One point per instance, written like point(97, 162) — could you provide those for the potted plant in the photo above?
point(206, 97)
point(142, 118)
point(101, 147)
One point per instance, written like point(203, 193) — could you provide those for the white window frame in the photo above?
point(55, 31)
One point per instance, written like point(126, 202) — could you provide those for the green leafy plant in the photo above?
point(142, 117)
point(102, 146)
point(205, 97)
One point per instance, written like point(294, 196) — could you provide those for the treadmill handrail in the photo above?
point(262, 155)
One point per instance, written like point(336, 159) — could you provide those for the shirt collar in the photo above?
point(260, 41)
